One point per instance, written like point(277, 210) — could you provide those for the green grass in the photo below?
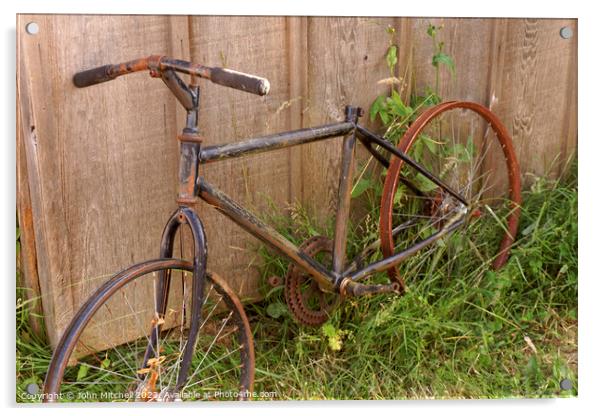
point(33, 354)
point(461, 331)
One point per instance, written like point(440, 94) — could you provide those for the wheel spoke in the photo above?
point(118, 369)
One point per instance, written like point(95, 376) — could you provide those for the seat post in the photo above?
point(344, 199)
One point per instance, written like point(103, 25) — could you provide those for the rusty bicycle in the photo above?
point(185, 332)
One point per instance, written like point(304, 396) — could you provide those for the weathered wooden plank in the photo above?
point(99, 200)
point(569, 150)
point(28, 124)
point(534, 92)
point(256, 45)
point(28, 264)
point(467, 42)
point(296, 30)
point(346, 61)
point(568, 138)
point(404, 42)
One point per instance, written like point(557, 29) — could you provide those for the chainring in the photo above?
point(307, 302)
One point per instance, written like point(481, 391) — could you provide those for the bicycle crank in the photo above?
point(308, 303)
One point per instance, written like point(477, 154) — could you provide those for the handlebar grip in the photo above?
point(93, 76)
point(240, 81)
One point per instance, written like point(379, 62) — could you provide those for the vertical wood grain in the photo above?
point(346, 61)
point(28, 263)
point(569, 132)
point(296, 30)
point(405, 47)
point(467, 42)
point(256, 45)
point(535, 92)
point(92, 154)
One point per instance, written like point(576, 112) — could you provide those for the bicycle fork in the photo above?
point(188, 171)
point(181, 216)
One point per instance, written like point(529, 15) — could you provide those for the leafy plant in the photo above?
point(334, 336)
point(440, 58)
point(396, 114)
point(393, 112)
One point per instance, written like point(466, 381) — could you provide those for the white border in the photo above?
point(590, 210)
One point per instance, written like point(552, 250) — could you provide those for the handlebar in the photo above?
point(157, 64)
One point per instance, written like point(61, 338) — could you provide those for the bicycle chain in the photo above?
point(299, 287)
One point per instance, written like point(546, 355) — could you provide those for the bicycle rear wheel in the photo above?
point(466, 146)
point(101, 355)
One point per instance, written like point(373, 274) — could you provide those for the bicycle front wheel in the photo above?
point(102, 355)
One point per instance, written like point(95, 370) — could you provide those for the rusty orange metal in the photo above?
point(393, 177)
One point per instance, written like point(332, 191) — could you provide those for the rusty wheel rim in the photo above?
point(225, 344)
point(493, 127)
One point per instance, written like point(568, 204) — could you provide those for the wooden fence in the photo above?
point(97, 166)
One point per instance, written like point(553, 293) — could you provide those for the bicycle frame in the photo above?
point(193, 185)
point(342, 273)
